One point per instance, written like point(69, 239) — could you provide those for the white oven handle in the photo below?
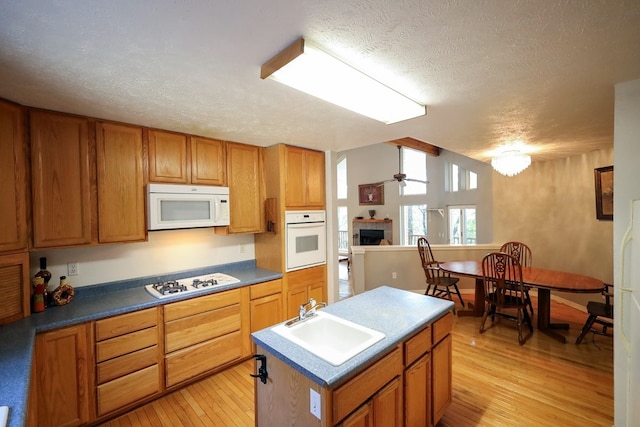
point(305, 225)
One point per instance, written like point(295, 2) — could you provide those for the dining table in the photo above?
point(542, 279)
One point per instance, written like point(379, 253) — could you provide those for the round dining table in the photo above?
point(542, 279)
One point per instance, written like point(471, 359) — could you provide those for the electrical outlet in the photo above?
point(394, 275)
point(314, 403)
point(73, 268)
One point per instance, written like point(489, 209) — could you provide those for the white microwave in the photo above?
point(173, 206)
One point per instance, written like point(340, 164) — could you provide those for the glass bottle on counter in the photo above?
point(37, 299)
point(46, 276)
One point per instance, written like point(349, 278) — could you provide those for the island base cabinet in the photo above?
point(285, 399)
point(417, 393)
point(383, 410)
point(441, 377)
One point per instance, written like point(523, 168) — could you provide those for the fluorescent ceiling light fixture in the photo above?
point(511, 161)
point(304, 67)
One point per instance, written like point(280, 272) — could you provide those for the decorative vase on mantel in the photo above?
point(372, 213)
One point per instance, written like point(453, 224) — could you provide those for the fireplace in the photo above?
point(371, 237)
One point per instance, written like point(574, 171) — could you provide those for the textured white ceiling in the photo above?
point(542, 71)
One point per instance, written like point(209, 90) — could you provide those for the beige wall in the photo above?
point(551, 207)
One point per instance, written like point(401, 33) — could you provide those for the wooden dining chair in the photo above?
point(438, 281)
point(504, 292)
point(523, 253)
point(600, 313)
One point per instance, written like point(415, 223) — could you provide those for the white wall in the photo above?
point(379, 162)
point(167, 251)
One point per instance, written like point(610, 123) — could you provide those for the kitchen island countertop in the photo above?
point(91, 303)
point(397, 313)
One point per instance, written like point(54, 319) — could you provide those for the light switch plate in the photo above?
point(314, 403)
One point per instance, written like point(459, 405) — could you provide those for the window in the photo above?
point(414, 165)
point(343, 230)
point(473, 180)
point(462, 225)
point(461, 179)
point(342, 178)
point(414, 224)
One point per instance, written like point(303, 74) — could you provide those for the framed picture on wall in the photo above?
point(604, 192)
point(371, 194)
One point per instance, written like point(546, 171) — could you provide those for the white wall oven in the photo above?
point(306, 239)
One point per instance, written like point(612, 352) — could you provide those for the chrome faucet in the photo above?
point(304, 313)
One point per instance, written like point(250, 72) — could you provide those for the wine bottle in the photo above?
point(46, 276)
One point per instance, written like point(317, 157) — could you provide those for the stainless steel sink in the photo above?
point(329, 337)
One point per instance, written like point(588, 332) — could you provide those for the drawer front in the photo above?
point(126, 344)
point(306, 276)
point(442, 327)
point(125, 323)
point(123, 365)
point(201, 327)
point(354, 393)
point(185, 364)
point(193, 306)
point(264, 289)
point(128, 389)
point(417, 345)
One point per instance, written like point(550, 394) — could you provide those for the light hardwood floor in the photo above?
point(496, 382)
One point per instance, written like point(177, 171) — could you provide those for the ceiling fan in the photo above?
point(401, 177)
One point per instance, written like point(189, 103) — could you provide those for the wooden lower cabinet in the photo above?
point(266, 304)
point(303, 285)
point(382, 410)
point(202, 334)
point(128, 360)
point(61, 385)
point(441, 378)
point(417, 393)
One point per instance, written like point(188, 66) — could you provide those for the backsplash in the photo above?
point(166, 252)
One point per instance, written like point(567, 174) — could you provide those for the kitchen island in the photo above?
point(409, 368)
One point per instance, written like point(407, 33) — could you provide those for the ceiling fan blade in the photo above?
point(416, 180)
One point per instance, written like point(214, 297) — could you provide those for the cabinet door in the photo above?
point(441, 375)
point(387, 405)
point(362, 417)
point(62, 377)
point(417, 393)
point(121, 214)
point(61, 180)
point(208, 166)
point(295, 184)
point(13, 193)
point(168, 157)
point(314, 165)
point(266, 311)
point(246, 187)
point(15, 287)
point(295, 298)
point(304, 185)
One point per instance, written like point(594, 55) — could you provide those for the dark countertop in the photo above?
point(91, 303)
point(397, 313)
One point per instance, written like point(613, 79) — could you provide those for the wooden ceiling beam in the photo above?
point(416, 144)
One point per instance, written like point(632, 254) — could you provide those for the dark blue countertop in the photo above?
point(92, 303)
point(397, 313)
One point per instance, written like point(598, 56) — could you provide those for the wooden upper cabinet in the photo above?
point(305, 178)
point(13, 193)
point(208, 161)
point(168, 157)
point(120, 173)
point(61, 180)
point(183, 159)
point(245, 169)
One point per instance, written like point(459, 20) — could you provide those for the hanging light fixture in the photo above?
point(307, 68)
point(510, 161)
